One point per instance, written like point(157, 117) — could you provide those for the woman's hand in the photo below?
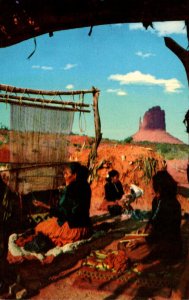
point(38, 203)
point(141, 230)
point(119, 202)
point(135, 243)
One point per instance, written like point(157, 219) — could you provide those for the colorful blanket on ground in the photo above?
point(130, 281)
point(116, 261)
point(119, 274)
point(17, 253)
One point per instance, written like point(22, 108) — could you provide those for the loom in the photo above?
point(40, 121)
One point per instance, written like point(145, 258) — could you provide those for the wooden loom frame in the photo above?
point(10, 96)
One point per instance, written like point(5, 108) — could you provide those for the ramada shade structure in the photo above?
point(24, 19)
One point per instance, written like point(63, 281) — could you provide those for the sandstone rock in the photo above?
point(153, 128)
point(154, 118)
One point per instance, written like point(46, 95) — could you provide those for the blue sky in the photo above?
point(131, 66)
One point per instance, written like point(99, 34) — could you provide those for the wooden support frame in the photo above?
point(180, 52)
point(98, 135)
point(40, 100)
point(10, 96)
point(26, 97)
point(13, 89)
point(58, 107)
point(183, 55)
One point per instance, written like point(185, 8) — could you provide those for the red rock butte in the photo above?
point(153, 128)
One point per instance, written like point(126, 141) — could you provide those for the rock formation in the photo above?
point(153, 128)
point(154, 118)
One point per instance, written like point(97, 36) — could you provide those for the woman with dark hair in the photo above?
point(70, 220)
point(113, 191)
point(163, 236)
point(113, 187)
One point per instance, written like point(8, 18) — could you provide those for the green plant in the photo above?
point(149, 168)
point(128, 139)
point(164, 148)
point(3, 127)
point(173, 151)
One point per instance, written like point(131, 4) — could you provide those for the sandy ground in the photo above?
point(126, 159)
point(63, 288)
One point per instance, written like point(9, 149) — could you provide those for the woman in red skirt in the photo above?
point(70, 219)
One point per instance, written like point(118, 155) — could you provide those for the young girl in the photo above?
point(113, 187)
point(113, 190)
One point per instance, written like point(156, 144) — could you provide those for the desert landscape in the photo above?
point(136, 163)
point(131, 58)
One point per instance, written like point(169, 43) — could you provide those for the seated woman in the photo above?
point(163, 236)
point(70, 220)
point(113, 193)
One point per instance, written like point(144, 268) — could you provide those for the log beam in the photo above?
point(13, 89)
point(7, 97)
point(180, 52)
point(44, 106)
point(98, 136)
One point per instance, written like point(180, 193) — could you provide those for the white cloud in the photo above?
point(144, 55)
point(112, 90)
point(47, 68)
point(117, 25)
point(166, 28)
point(69, 66)
point(162, 28)
point(119, 92)
point(136, 26)
point(36, 67)
point(70, 86)
point(170, 85)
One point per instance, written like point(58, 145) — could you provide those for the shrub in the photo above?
point(128, 139)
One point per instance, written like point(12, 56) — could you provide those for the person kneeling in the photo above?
point(161, 236)
point(70, 220)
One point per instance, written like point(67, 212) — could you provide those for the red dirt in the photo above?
point(4, 153)
point(125, 159)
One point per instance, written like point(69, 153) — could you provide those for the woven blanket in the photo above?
point(96, 274)
point(132, 281)
point(36, 218)
point(114, 260)
point(17, 254)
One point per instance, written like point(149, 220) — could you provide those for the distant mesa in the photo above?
point(154, 118)
point(153, 128)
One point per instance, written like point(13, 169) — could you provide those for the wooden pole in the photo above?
point(183, 55)
point(13, 89)
point(44, 106)
point(180, 52)
point(40, 100)
point(31, 165)
point(98, 134)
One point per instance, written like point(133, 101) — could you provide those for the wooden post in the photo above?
point(183, 55)
point(180, 52)
point(98, 134)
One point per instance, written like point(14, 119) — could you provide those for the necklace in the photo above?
point(116, 188)
point(156, 211)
